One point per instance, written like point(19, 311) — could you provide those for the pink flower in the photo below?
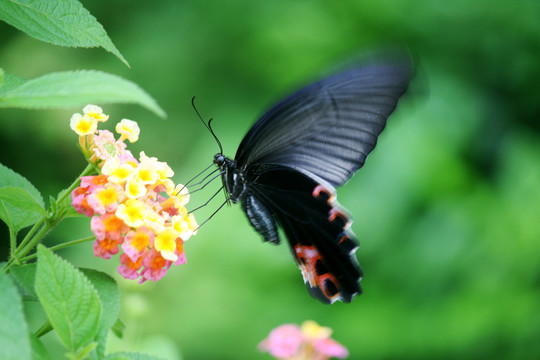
point(92, 182)
point(308, 342)
point(155, 266)
point(106, 147)
point(283, 342)
point(133, 202)
point(80, 202)
point(129, 269)
point(137, 242)
point(330, 348)
point(108, 226)
point(105, 248)
point(106, 199)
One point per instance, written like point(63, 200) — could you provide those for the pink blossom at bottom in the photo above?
point(330, 347)
point(283, 342)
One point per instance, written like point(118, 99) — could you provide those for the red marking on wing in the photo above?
point(343, 238)
point(308, 256)
point(336, 213)
point(321, 189)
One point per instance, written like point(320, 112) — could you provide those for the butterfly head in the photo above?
point(219, 160)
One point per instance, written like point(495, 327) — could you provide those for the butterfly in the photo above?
point(288, 165)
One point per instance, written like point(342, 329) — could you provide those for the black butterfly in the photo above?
point(288, 165)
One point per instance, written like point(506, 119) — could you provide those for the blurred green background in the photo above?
point(446, 209)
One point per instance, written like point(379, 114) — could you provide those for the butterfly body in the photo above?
point(288, 165)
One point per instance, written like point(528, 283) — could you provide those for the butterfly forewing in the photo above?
point(329, 127)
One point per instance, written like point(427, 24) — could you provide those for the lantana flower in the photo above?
point(134, 205)
point(310, 341)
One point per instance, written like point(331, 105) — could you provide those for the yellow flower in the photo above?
point(128, 129)
point(165, 243)
point(146, 173)
point(135, 188)
point(83, 125)
point(312, 330)
point(118, 172)
point(95, 112)
point(132, 212)
point(185, 225)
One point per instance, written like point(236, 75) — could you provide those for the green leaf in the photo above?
point(64, 23)
point(118, 328)
point(109, 295)
point(21, 204)
point(130, 356)
point(14, 340)
point(9, 177)
point(76, 88)
point(39, 352)
point(1, 76)
point(71, 302)
point(24, 276)
point(10, 82)
point(18, 208)
point(83, 353)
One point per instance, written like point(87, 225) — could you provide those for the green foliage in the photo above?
point(64, 23)
point(25, 277)
point(81, 307)
point(73, 88)
point(69, 299)
point(109, 296)
point(21, 204)
point(39, 352)
point(14, 340)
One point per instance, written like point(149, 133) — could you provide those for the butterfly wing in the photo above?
point(317, 229)
point(329, 127)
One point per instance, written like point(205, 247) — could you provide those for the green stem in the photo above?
point(44, 329)
point(14, 259)
point(22, 251)
point(61, 246)
point(90, 168)
point(12, 241)
point(27, 238)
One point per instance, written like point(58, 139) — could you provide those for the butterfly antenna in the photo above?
point(206, 203)
point(208, 182)
point(208, 126)
point(214, 213)
point(196, 176)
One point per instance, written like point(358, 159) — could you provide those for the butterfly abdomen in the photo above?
point(260, 218)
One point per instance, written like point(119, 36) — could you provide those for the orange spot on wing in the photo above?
point(336, 213)
point(308, 256)
point(321, 189)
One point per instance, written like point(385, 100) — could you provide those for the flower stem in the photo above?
point(44, 329)
point(90, 168)
point(27, 238)
point(61, 246)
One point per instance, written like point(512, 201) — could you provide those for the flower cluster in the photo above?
point(309, 341)
point(133, 203)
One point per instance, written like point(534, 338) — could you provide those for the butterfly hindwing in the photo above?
point(317, 229)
